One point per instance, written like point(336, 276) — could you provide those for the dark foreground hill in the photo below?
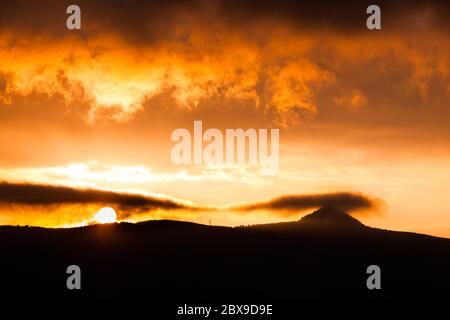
point(323, 256)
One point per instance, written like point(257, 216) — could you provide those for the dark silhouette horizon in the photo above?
point(323, 255)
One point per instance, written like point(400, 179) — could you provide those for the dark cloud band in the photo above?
point(291, 204)
point(149, 21)
point(41, 195)
point(49, 195)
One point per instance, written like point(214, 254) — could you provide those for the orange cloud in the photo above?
point(353, 99)
point(116, 80)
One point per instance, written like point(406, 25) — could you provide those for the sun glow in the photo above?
point(105, 215)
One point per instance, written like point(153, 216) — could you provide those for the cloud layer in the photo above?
point(278, 56)
point(31, 197)
point(52, 195)
point(149, 21)
point(292, 204)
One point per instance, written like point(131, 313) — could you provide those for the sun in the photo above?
point(106, 215)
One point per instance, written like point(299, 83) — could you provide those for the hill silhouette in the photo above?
point(329, 216)
point(323, 255)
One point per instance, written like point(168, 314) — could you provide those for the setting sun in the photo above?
point(105, 215)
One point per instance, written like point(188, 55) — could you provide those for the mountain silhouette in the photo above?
point(330, 216)
point(322, 256)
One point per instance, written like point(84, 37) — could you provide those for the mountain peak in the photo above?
point(331, 216)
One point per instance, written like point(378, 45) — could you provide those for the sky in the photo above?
point(86, 116)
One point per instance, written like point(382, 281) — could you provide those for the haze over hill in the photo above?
point(324, 255)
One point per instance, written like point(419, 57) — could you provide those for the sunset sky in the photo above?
point(86, 115)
